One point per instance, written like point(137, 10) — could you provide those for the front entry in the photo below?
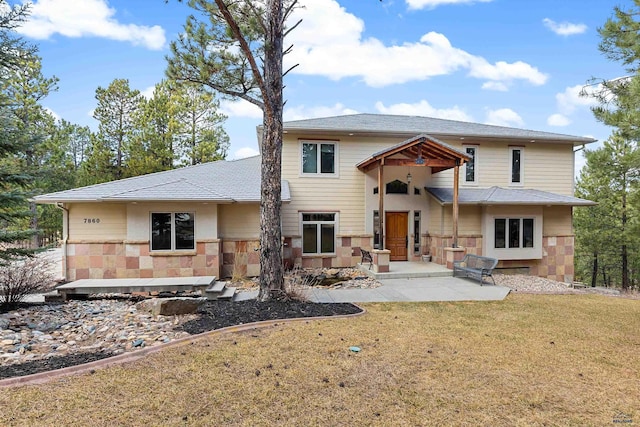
point(397, 237)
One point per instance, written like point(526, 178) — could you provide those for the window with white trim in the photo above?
point(172, 231)
point(516, 165)
point(318, 233)
point(514, 233)
point(471, 170)
point(318, 158)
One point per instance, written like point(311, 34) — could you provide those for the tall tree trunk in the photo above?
point(272, 272)
point(625, 268)
point(624, 254)
point(594, 272)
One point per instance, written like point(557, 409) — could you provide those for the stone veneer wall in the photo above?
point(122, 260)
point(556, 262)
point(240, 255)
point(347, 253)
point(472, 245)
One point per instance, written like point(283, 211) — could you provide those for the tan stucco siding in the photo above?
point(239, 221)
point(139, 217)
point(547, 167)
point(97, 222)
point(469, 220)
point(557, 221)
point(435, 223)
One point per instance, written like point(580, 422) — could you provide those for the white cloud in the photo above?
point(330, 43)
point(564, 28)
point(423, 108)
point(570, 99)
point(55, 115)
point(240, 108)
point(302, 112)
point(430, 4)
point(148, 92)
point(495, 86)
point(245, 152)
point(558, 120)
point(504, 117)
point(87, 18)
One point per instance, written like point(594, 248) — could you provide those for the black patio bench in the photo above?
point(366, 257)
point(475, 266)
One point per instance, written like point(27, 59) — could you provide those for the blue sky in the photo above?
point(517, 63)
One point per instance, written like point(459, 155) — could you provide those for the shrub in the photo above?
point(22, 277)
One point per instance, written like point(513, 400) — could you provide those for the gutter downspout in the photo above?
point(65, 237)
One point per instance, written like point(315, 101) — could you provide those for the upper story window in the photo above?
point(319, 158)
point(470, 172)
point(172, 231)
point(516, 168)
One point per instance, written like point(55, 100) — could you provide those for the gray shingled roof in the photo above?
point(505, 196)
point(222, 181)
point(413, 125)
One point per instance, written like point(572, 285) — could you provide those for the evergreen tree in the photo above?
point(237, 49)
point(13, 181)
point(202, 137)
point(109, 153)
point(611, 177)
point(27, 87)
point(607, 241)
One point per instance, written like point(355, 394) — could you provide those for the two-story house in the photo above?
point(407, 185)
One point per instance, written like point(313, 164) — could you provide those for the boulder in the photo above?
point(170, 306)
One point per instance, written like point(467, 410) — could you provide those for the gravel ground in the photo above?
point(538, 285)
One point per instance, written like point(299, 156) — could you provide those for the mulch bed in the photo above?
point(213, 315)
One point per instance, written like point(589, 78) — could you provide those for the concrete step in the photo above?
point(215, 288)
point(228, 294)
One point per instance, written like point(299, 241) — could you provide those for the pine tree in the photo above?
point(14, 182)
point(237, 49)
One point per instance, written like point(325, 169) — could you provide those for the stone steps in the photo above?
point(219, 291)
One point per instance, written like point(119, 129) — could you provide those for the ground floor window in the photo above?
point(318, 233)
point(514, 233)
point(172, 231)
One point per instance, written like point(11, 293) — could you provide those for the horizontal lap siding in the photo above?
point(547, 167)
point(112, 225)
point(239, 221)
point(344, 194)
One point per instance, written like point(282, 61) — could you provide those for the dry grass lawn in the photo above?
point(526, 361)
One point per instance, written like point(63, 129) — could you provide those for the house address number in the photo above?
point(92, 220)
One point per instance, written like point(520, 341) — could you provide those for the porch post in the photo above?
point(381, 202)
point(456, 181)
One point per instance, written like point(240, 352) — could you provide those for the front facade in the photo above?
point(512, 199)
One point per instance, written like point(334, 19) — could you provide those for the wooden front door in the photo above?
point(396, 234)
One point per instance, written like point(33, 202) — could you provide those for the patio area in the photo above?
point(408, 270)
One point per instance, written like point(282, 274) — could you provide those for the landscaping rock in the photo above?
point(170, 306)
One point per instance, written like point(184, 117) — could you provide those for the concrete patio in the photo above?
point(406, 290)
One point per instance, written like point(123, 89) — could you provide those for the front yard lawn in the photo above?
point(528, 360)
